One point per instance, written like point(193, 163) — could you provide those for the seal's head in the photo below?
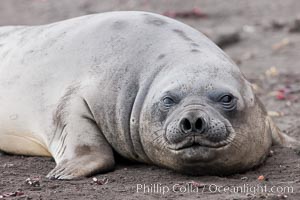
point(204, 118)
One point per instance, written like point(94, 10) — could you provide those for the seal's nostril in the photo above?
point(186, 125)
point(199, 124)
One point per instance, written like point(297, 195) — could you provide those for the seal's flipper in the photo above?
point(80, 149)
point(83, 165)
point(280, 138)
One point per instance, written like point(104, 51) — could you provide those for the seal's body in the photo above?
point(147, 86)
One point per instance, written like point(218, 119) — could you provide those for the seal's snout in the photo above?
point(198, 126)
point(192, 124)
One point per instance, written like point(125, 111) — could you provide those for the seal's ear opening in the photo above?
point(280, 138)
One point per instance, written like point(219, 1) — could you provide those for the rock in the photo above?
point(278, 24)
point(295, 26)
point(226, 36)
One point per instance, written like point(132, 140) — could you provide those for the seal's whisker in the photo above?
point(164, 144)
point(240, 133)
point(158, 131)
point(230, 126)
point(158, 121)
point(235, 145)
point(157, 138)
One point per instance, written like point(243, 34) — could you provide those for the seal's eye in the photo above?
point(226, 99)
point(228, 102)
point(168, 101)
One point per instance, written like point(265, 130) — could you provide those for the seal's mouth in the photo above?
point(196, 142)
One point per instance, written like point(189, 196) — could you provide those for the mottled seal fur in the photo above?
point(143, 85)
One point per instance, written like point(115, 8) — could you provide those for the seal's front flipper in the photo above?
point(82, 165)
point(280, 138)
point(79, 148)
point(83, 152)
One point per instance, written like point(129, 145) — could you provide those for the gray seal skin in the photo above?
point(146, 86)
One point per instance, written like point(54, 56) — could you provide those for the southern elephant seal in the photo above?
point(146, 86)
